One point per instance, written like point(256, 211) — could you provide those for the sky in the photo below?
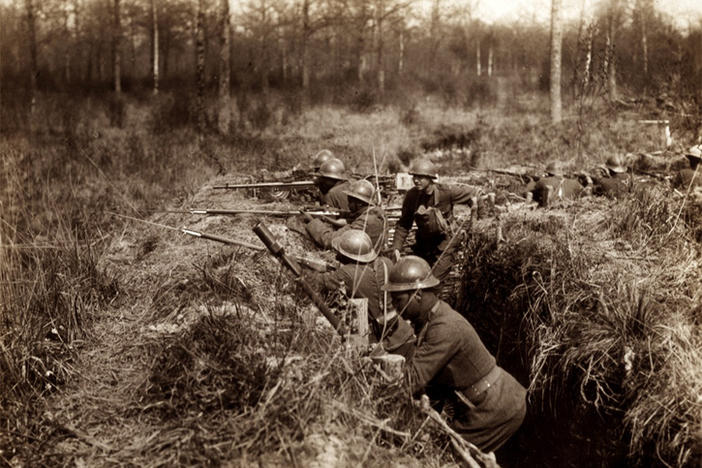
point(683, 12)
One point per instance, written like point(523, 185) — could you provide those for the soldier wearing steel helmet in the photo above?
point(555, 186)
point(430, 205)
point(363, 215)
point(692, 177)
point(450, 362)
point(332, 181)
point(617, 182)
point(363, 273)
point(320, 158)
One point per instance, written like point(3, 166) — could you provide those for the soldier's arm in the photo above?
point(321, 232)
point(463, 194)
point(404, 224)
point(439, 346)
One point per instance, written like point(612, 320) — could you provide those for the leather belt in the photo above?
point(476, 393)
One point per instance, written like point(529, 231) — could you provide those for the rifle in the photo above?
point(277, 250)
point(271, 185)
point(218, 211)
point(310, 263)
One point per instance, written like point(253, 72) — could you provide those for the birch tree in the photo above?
point(224, 116)
point(556, 42)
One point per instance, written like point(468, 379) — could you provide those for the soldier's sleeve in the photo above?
point(321, 232)
point(439, 346)
point(463, 193)
point(404, 224)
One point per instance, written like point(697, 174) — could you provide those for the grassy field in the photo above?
point(126, 343)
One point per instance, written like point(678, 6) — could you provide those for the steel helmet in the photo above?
point(410, 273)
point(321, 157)
point(554, 169)
point(333, 168)
point(362, 190)
point(423, 167)
point(614, 163)
point(356, 245)
point(694, 155)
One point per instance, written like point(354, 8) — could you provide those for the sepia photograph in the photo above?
point(351, 233)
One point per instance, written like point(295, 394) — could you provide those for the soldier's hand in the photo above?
point(306, 217)
point(397, 255)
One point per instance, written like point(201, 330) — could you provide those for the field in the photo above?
point(126, 343)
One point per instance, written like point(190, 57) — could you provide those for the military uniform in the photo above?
point(365, 280)
point(453, 366)
point(432, 240)
point(561, 189)
point(615, 186)
point(336, 196)
point(370, 219)
point(687, 178)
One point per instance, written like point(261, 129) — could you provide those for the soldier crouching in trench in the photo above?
point(451, 364)
point(430, 206)
point(362, 274)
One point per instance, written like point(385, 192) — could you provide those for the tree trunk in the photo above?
point(401, 61)
point(611, 66)
point(33, 60)
point(380, 11)
point(304, 46)
point(556, 41)
point(154, 46)
point(490, 58)
point(116, 54)
point(200, 64)
point(67, 46)
point(478, 62)
point(224, 115)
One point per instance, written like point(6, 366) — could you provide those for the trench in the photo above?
point(560, 430)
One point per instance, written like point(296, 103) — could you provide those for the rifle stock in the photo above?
point(277, 250)
point(312, 264)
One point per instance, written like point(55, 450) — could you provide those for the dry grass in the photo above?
point(171, 350)
point(599, 302)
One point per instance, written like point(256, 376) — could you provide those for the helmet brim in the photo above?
point(422, 174)
point(362, 258)
point(357, 197)
point(426, 283)
point(329, 176)
point(617, 169)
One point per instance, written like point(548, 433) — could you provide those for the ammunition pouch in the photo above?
point(431, 221)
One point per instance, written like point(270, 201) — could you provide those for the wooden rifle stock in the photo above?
point(273, 185)
point(277, 250)
point(312, 264)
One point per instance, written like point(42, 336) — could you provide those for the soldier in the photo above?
point(363, 274)
point(363, 215)
point(616, 183)
point(320, 158)
point(450, 362)
point(555, 186)
point(332, 182)
point(690, 178)
point(430, 205)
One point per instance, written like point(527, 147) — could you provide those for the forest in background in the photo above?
point(349, 52)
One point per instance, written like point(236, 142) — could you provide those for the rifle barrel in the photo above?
point(282, 185)
point(263, 212)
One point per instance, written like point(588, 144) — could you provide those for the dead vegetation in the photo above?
point(172, 350)
point(597, 303)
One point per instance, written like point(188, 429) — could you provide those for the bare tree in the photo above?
point(200, 64)
point(610, 63)
point(224, 116)
point(33, 65)
point(116, 53)
point(556, 42)
point(154, 45)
